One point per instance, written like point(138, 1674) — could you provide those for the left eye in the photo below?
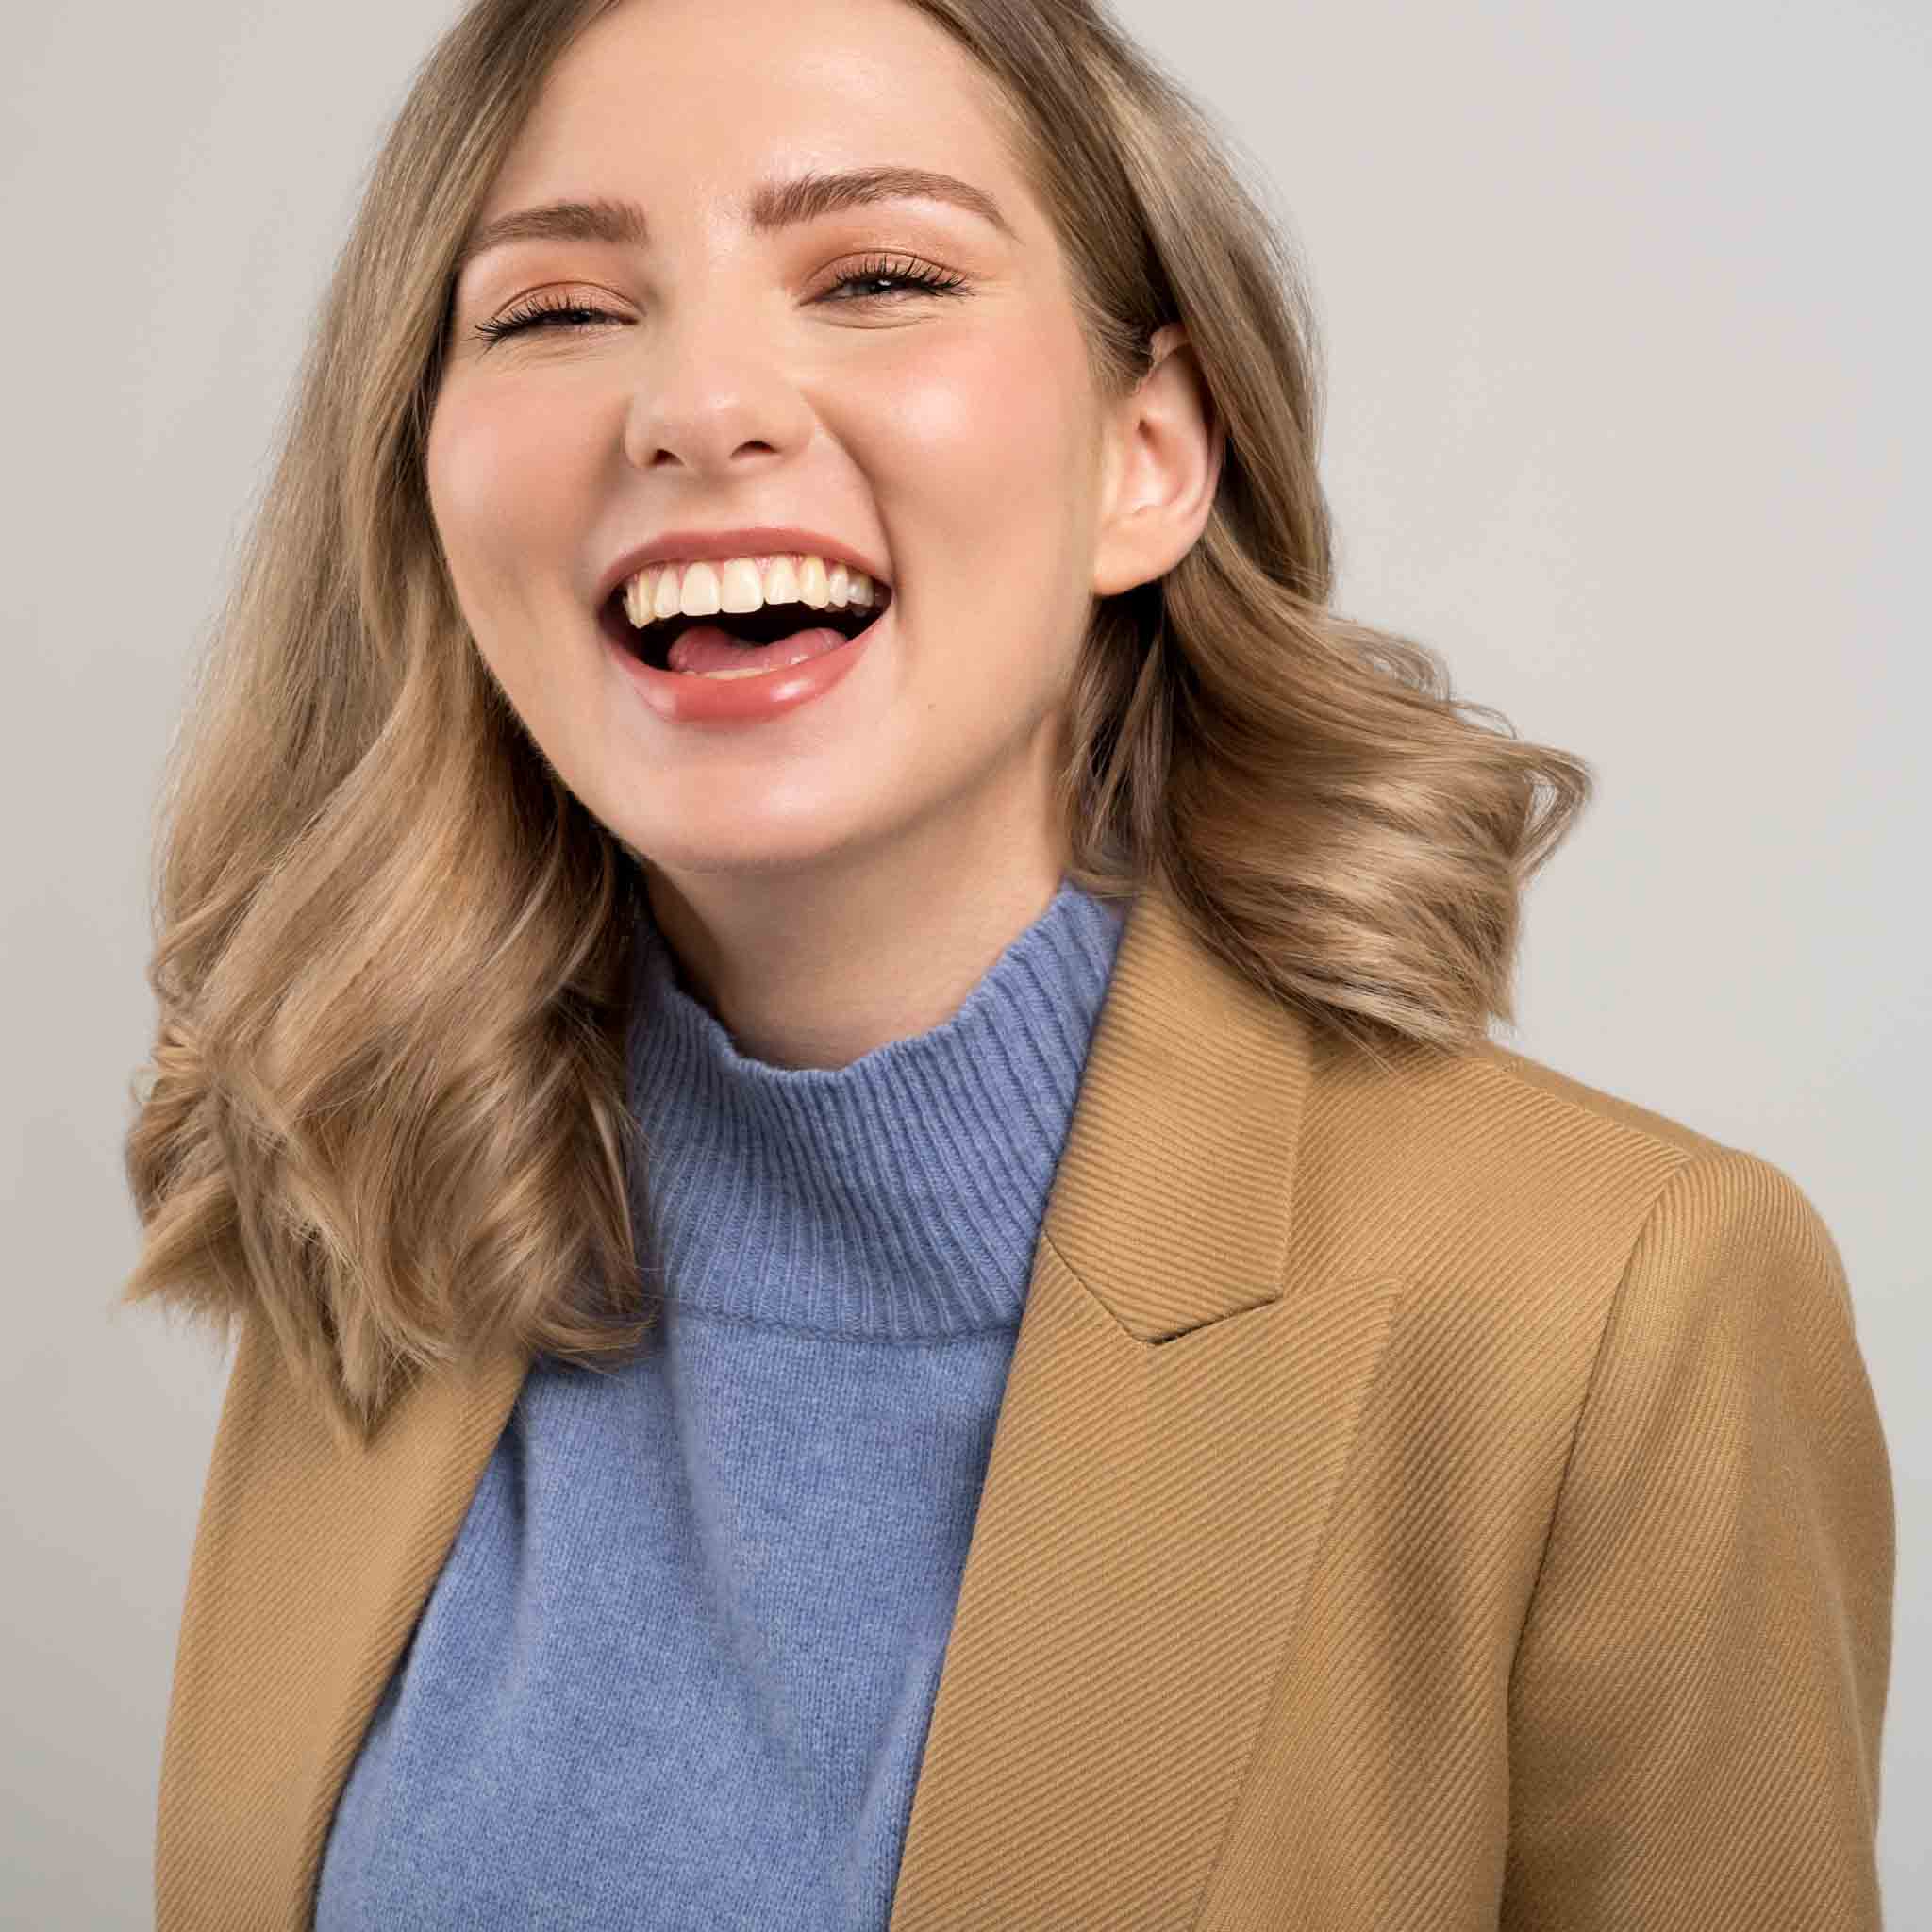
point(540, 314)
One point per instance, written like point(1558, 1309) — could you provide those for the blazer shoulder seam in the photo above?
point(1617, 1111)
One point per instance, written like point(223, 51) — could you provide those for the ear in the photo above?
point(1160, 469)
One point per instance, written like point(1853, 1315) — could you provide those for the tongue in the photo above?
point(709, 647)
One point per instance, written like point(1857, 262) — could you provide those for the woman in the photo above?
point(1155, 1420)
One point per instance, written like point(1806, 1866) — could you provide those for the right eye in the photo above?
point(537, 313)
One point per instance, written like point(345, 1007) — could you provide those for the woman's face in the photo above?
point(728, 379)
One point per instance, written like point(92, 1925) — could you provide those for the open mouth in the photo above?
point(768, 624)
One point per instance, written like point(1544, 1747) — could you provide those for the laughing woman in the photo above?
point(824, 1042)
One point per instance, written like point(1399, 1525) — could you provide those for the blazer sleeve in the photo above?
point(1700, 1683)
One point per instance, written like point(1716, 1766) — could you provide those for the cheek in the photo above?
point(989, 465)
point(507, 495)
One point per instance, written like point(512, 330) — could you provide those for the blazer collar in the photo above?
point(1167, 1450)
point(1169, 1447)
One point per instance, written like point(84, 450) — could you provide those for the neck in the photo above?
point(817, 969)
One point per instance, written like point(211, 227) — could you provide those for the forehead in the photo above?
point(690, 106)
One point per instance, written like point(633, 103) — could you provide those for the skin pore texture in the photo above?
point(840, 875)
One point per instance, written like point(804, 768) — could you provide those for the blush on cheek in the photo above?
point(510, 505)
point(476, 457)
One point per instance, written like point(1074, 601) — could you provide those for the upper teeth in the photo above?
point(746, 583)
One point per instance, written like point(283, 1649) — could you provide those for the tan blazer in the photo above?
point(1430, 1496)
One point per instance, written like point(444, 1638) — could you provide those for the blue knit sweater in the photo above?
point(678, 1667)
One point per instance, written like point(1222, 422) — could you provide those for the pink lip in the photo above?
point(764, 540)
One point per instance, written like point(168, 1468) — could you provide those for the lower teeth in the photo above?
point(751, 670)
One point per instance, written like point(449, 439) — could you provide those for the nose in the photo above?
point(711, 397)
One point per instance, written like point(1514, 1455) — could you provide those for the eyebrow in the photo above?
point(771, 206)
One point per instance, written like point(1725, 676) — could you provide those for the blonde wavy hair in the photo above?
point(387, 1108)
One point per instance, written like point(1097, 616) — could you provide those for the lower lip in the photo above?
point(686, 698)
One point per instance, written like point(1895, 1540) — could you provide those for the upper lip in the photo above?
point(691, 546)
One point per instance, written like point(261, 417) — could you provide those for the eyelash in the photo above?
point(537, 313)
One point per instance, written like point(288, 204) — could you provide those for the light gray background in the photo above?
point(1626, 308)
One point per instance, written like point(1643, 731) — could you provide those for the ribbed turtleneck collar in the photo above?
point(895, 1199)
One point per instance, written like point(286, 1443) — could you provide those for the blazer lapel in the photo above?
point(1170, 1445)
point(312, 1563)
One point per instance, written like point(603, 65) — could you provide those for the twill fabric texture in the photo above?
point(1122, 1457)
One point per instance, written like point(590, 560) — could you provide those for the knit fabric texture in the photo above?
point(678, 1667)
